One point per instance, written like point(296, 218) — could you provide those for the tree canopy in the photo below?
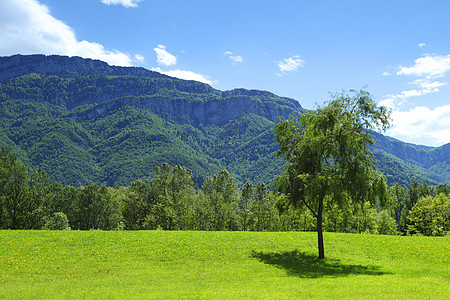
point(328, 154)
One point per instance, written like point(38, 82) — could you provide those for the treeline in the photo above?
point(30, 200)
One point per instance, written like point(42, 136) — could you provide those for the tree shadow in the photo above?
point(305, 265)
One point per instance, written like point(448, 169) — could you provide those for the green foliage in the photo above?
point(83, 128)
point(137, 203)
point(116, 129)
point(28, 201)
point(263, 209)
point(169, 201)
point(443, 189)
point(430, 216)
point(245, 203)
point(14, 193)
point(58, 221)
point(95, 208)
point(385, 223)
point(222, 192)
point(175, 188)
point(328, 155)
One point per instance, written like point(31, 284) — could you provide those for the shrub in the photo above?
point(58, 221)
point(385, 223)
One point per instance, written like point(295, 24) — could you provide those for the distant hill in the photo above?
point(83, 121)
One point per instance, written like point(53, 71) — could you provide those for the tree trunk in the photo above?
point(319, 230)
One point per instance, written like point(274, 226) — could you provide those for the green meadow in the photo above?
point(220, 265)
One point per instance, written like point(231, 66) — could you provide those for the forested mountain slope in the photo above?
point(84, 121)
point(403, 163)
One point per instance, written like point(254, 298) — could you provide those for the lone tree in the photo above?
point(329, 157)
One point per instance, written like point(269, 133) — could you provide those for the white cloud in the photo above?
point(427, 84)
point(187, 75)
point(428, 66)
point(421, 45)
point(428, 70)
point(27, 27)
point(139, 58)
point(411, 93)
point(290, 64)
point(395, 101)
point(386, 73)
point(234, 58)
point(126, 3)
point(391, 102)
point(164, 58)
point(430, 126)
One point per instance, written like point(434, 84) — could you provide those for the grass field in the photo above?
point(220, 265)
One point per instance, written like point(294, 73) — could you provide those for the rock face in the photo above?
point(216, 111)
point(133, 86)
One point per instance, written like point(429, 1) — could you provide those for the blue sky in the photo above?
point(398, 50)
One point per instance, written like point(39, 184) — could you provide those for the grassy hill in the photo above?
point(220, 265)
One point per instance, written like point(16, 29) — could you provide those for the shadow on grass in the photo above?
point(304, 265)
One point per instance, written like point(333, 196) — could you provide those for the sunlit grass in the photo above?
point(220, 265)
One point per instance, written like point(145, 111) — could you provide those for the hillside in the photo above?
point(403, 163)
point(84, 121)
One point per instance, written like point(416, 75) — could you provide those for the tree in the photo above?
point(244, 204)
point(223, 195)
point(15, 197)
point(413, 194)
point(385, 223)
point(137, 203)
point(66, 201)
point(399, 198)
point(430, 216)
point(263, 209)
point(95, 208)
point(203, 213)
point(175, 189)
point(42, 191)
point(328, 154)
point(442, 188)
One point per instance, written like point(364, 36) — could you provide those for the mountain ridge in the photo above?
point(65, 66)
point(81, 121)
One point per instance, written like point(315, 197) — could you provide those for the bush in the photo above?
point(385, 223)
point(59, 221)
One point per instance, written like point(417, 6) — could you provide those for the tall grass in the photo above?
point(220, 265)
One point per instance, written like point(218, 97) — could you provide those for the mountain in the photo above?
point(83, 121)
point(65, 67)
point(403, 162)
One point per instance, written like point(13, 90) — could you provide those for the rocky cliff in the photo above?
point(217, 111)
point(74, 82)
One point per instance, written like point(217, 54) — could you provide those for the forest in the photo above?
point(30, 200)
point(98, 147)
